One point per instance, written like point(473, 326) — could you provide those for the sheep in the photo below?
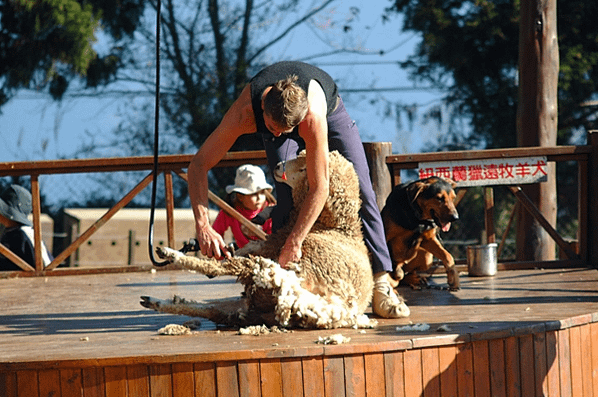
point(331, 286)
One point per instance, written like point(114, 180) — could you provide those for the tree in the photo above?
point(537, 119)
point(470, 47)
point(209, 50)
point(46, 43)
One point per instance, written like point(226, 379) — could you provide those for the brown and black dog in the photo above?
point(413, 216)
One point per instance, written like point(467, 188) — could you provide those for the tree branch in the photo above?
point(240, 70)
point(290, 29)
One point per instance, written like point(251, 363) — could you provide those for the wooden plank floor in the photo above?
point(94, 320)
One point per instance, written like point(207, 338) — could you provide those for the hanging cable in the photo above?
point(156, 141)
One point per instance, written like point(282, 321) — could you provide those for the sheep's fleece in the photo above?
point(330, 288)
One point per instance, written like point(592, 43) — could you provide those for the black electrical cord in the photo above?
point(192, 245)
point(156, 136)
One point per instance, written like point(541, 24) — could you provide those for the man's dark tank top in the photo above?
point(280, 71)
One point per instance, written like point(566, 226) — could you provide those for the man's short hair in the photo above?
point(286, 102)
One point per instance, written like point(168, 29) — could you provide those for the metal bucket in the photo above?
point(481, 260)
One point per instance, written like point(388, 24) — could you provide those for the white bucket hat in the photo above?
point(250, 179)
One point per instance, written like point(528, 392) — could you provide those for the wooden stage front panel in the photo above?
point(520, 333)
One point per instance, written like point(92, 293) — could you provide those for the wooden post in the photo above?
point(37, 227)
point(131, 245)
point(376, 153)
point(583, 197)
point(537, 118)
point(169, 196)
point(592, 204)
point(489, 215)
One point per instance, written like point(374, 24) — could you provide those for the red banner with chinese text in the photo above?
point(511, 171)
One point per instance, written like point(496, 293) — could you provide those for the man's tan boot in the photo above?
point(385, 302)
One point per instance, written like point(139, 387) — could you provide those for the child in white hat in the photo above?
point(248, 197)
point(15, 206)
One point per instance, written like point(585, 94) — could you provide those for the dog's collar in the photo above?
point(427, 224)
point(423, 226)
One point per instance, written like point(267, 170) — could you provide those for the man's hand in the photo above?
point(290, 252)
point(211, 243)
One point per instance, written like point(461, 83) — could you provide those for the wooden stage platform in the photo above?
point(520, 333)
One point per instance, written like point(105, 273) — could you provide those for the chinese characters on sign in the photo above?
point(512, 171)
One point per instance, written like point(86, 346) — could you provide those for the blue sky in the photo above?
point(35, 128)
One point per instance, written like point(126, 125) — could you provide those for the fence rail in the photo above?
point(168, 165)
point(385, 169)
point(579, 254)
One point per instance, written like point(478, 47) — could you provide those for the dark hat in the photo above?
point(15, 204)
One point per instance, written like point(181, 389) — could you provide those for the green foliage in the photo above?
point(471, 47)
point(46, 43)
point(102, 70)
point(76, 24)
point(211, 51)
point(120, 18)
point(42, 40)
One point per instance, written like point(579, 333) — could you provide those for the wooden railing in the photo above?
point(384, 167)
point(579, 254)
point(168, 165)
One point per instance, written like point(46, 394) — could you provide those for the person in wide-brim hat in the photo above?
point(248, 197)
point(18, 236)
point(15, 204)
point(249, 179)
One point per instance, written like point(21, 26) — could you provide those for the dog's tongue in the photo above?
point(446, 227)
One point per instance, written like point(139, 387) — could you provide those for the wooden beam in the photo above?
point(376, 153)
point(169, 208)
point(100, 222)
point(15, 259)
point(531, 208)
point(592, 198)
point(537, 117)
point(109, 164)
point(37, 227)
point(555, 153)
point(489, 214)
